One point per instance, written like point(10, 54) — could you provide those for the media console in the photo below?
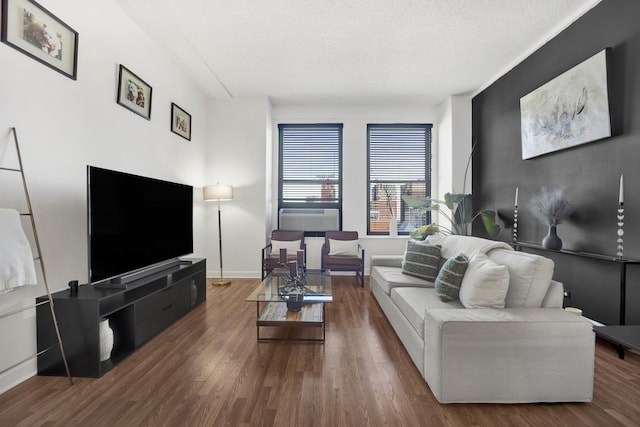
point(136, 314)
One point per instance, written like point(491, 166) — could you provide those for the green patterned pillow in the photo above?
point(421, 261)
point(450, 277)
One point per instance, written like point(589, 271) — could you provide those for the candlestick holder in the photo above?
point(515, 224)
point(620, 233)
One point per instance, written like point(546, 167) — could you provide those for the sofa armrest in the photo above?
point(508, 355)
point(386, 261)
point(554, 296)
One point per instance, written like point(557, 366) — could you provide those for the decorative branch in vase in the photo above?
point(551, 207)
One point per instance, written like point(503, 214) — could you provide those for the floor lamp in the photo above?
point(219, 192)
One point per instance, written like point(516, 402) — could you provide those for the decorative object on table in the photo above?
point(180, 122)
point(300, 259)
point(73, 288)
point(134, 94)
point(574, 310)
point(460, 205)
point(620, 233)
point(293, 269)
point(551, 207)
point(295, 301)
point(106, 339)
point(219, 192)
point(421, 233)
point(570, 110)
point(36, 32)
point(295, 288)
point(293, 266)
point(515, 219)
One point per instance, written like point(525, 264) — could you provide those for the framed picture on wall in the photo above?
point(134, 93)
point(180, 122)
point(569, 110)
point(36, 32)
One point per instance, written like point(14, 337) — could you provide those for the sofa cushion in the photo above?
point(421, 261)
point(391, 277)
point(529, 277)
point(468, 245)
point(413, 303)
point(450, 277)
point(343, 247)
point(485, 283)
point(292, 246)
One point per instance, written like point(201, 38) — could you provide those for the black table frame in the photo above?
point(620, 336)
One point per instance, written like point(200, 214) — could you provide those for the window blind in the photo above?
point(310, 165)
point(399, 162)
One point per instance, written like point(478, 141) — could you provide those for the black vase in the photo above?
point(551, 240)
point(294, 303)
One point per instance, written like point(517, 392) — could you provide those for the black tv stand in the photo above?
point(122, 282)
point(136, 314)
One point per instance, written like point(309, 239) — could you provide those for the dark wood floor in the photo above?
point(208, 370)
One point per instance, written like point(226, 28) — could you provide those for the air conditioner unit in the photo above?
point(309, 219)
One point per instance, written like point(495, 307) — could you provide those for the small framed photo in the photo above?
point(180, 122)
point(36, 32)
point(134, 93)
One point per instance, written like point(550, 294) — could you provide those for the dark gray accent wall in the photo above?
point(590, 172)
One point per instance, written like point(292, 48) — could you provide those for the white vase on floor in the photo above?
point(106, 339)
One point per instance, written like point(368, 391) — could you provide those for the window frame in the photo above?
point(427, 170)
point(284, 203)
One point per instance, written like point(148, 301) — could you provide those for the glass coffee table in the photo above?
point(271, 298)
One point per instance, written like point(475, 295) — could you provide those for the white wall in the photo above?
point(63, 125)
point(453, 150)
point(239, 137)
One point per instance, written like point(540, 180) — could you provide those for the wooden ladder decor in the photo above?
point(29, 213)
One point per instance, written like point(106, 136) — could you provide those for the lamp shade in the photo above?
point(218, 192)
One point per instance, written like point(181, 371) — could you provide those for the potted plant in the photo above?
point(421, 233)
point(551, 207)
point(460, 209)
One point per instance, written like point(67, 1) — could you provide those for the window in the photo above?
point(310, 166)
point(399, 162)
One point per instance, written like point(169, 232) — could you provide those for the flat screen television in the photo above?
point(135, 223)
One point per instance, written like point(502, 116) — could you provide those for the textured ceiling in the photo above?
point(350, 51)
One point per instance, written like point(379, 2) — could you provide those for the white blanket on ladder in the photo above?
point(17, 267)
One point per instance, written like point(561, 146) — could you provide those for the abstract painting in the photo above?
point(570, 110)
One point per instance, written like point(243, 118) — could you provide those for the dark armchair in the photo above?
point(341, 251)
point(289, 239)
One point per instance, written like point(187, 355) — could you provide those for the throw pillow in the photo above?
point(486, 283)
point(421, 261)
point(292, 246)
point(450, 277)
point(343, 247)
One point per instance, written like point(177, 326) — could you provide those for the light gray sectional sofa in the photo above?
point(528, 350)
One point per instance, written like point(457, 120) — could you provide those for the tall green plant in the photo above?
point(459, 209)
